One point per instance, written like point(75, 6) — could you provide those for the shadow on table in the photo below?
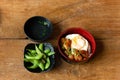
point(98, 52)
point(56, 31)
point(58, 61)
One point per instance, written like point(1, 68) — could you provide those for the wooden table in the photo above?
point(99, 17)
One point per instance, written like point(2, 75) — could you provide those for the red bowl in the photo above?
point(83, 33)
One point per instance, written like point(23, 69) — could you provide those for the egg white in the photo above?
point(78, 42)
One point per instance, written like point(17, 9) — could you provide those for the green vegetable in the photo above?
point(29, 54)
point(35, 64)
point(41, 46)
point(47, 63)
point(51, 53)
point(45, 23)
point(38, 57)
point(38, 51)
point(41, 65)
point(26, 60)
point(47, 51)
point(32, 51)
point(29, 57)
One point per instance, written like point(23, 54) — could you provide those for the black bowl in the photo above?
point(38, 28)
point(38, 70)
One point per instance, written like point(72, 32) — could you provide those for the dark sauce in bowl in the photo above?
point(38, 28)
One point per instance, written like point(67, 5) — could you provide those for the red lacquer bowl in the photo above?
point(83, 33)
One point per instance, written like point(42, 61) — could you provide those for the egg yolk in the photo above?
point(78, 42)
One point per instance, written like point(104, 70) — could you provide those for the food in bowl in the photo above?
point(38, 28)
point(76, 47)
point(39, 57)
point(72, 53)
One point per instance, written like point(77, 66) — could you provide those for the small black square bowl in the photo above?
point(38, 28)
point(31, 46)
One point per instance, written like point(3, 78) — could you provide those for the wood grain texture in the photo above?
point(99, 17)
point(104, 65)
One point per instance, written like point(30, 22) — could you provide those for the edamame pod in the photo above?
point(39, 56)
point(29, 54)
point(41, 65)
point(47, 63)
point(35, 64)
point(38, 51)
point(41, 46)
point(47, 51)
point(51, 53)
point(29, 57)
point(31, 51)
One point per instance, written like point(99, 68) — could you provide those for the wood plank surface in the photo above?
point(104, 65)
point(99, 17)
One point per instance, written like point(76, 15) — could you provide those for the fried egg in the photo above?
point(78, 42)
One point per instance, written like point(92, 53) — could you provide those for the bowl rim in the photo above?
point(33, 17)
point(65, 32)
